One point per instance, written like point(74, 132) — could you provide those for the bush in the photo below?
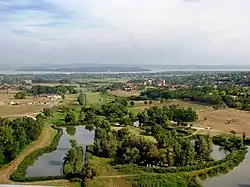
point(19, 174)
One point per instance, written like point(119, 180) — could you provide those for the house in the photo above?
point(54, 97)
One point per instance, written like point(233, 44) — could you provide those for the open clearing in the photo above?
point(122, 93)
point(106, 170)
point(27, 106)
point(139, 105)
point(225, 120)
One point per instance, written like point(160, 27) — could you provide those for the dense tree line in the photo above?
point(231, 96)
point(15, 135)
point(161, 116)
point(60, 90)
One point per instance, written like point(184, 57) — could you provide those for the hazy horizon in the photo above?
point(142, 32)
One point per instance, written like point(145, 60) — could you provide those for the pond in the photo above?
point(217, 154)
point(50, 164)
point(238, 177)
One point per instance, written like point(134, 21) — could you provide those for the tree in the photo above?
point(145, 102)
point(132, 103)
point(81, 116)
point(188, 153)
point(126, 121)
point(63, 96)
point(153, 154)
point(150, 102)
point(243, 135)
point(162, 101)
point(47, 112)
point(70, 117)
point(203, 147)
point(81, 99)
point(131, 155)
point(71, 130)
point(20, 95)
point(89, 126)
point(142, 117)
point(132, 115)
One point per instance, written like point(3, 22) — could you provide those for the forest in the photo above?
point(15, 135)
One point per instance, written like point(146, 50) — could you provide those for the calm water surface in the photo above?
point(238, 177)
point(50, 164)
point(218, 154)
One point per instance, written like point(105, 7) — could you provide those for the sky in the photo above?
point(170, 32)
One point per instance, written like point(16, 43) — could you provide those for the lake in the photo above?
point(51, 164)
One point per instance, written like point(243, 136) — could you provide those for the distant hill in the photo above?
point(85, 68)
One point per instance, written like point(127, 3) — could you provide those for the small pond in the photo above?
point(238, 177)
point(217, 154)
point(50, 164)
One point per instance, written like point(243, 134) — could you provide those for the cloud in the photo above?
point(141, 31)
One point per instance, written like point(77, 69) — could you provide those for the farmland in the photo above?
point(225, 120)
point(29, 106)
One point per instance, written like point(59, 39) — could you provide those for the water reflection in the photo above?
point(71, 130)
point(50, 164)
point(238, 177)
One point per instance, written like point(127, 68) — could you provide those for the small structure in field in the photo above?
point(14, 103)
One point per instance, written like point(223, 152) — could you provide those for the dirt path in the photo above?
point(115, 176)
point(63, 183)
point(44, 140)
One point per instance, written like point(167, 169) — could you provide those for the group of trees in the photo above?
point(82, 99)
point(20, 95)
point(16, 135)
point(60, 90)
point(115, 109)
point(161, 116)
point(73, 162)
point(231, 96)
point(170, 149)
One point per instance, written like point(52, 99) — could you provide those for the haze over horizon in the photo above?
point(138, 32)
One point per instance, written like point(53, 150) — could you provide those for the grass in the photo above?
point(139, 105)
point(93, 99)
point(61, 183)
point(137, 132)
point(106, 170)
point(122, 93)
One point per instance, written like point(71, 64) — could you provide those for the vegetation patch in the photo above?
point(19, 174)
point(73, 162)
point(16, 135)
